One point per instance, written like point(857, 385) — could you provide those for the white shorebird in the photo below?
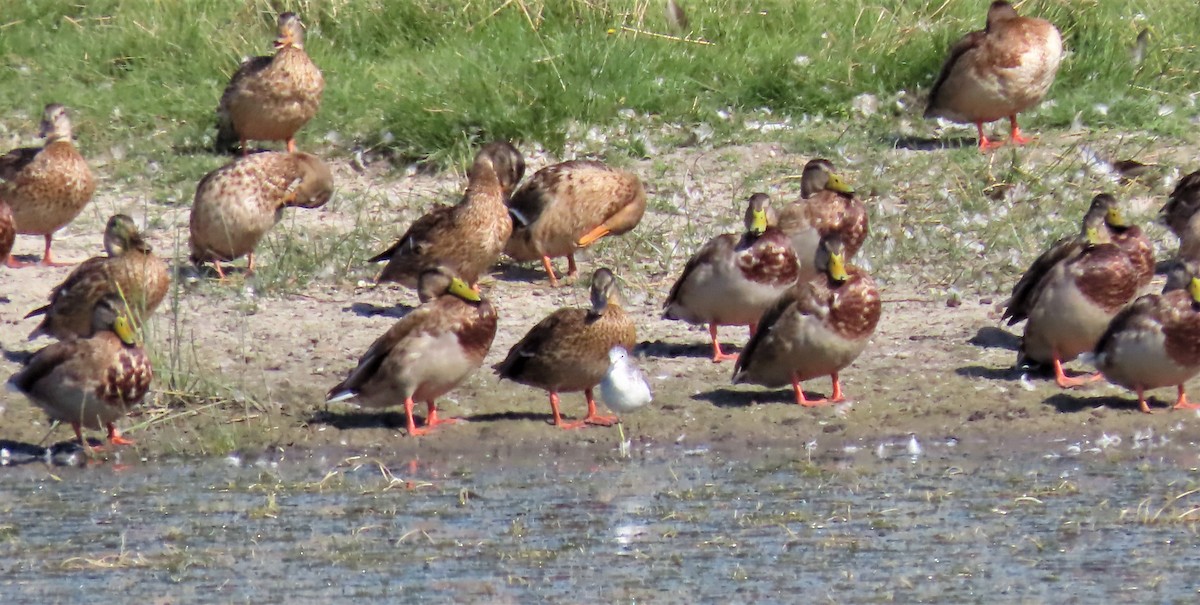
point(624, 389)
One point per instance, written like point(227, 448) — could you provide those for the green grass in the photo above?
point(428, 79)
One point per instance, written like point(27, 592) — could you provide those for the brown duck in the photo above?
point(270, 98)
point(8, 231)
point(1070, 294)
point(827, 206)
point(466, 238)
point(997, 72)
point(90, 382)
point(131, 272)
point(236, 204)
point(568, 350)
point(817, 328)
point(46, 187)
point(1155, 342)
point(571, 205)
point(733, 279)
point(426, 354)
point(1180, 216)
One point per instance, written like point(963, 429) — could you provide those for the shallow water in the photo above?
point(673, 526)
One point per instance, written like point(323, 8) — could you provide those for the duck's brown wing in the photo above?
point(536, 341)
point(43, 363)
point(1025, 292)
point(707, 254)
point(370, 361)
point(964, 44)
point(416, 238)
point(228, 138)
point(13, 162)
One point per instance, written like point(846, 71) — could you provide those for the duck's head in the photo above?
point(315, 186)
point(507, 162)
point(605, 291)
point(290, 32)
point(758, 214)
point(819, 176)
point(121, 235)
point(56, 124)
point(1106, 206)
point(435, 282)
point(831, 258)
point(111, 314)
point(999, 12)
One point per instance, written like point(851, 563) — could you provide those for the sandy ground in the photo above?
point(932, 369)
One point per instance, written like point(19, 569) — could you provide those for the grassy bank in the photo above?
point(428, 78)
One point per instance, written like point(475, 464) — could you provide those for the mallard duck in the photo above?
point(46, 187)
point(733, 279)
point(1155, 342)
point(426, 354)
point(90, 382)
point(8, 231)
point(270, 98)
point(827, 205)
point(236, 204)
point(568, 350)
point(1180, 216)
point(997, 72)
point(571, 205)
point(817, 328)
point(1070, 294)
point(130, 272)
point(466, 238)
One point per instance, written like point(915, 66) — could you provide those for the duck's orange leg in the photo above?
point(217, 265)
point(1015, 135)
point(1142, 405)
point(408, 418)
point(812, 403)
point(48, 260)
point(431, 416)
point(1067, 382)
point(718, 355)
point(245, 148)
point(250, 264)
point(592, 416)
point(291, 145)
point(13, 263)
point(558, 421)
point(115, 437)
point(1182, 402)
point(984, 143)
point(549, 267)
point(572, 270)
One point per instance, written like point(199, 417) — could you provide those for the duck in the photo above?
point(8, 232)
point(568, 350)
point(1130, 238)
point(1180, 216)
point(827, 205)
point(236, 204)
point(131, 271)
point(91, 382)
point(1069, 295)
point(46, 187)
point(466, 238)
point(271, 98)
point(997, 72)
point(1153, 342)
point(571, 205)
point(733, 279)
point(816, 328)
point(426, 354)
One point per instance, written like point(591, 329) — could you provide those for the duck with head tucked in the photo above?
point(46, 187)
point(131, 272)
point(827, 205)
point(270, 98)
point(734, 278)
point(236, 204)
point(997, 72)
point(91, 382)
point(817, 328)
point(571, 205)
point(466, 238)
point(569, 350)
point(426, 354)
point(1070, 294)
point(1155, 342)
